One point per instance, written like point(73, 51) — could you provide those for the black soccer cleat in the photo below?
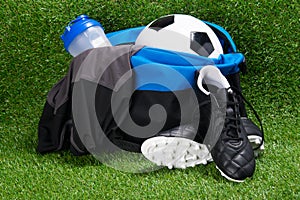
point(255, 133)
point(255, 136)
point(233, 153)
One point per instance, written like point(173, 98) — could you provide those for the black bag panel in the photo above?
point(108, 124)
point(143, 100)
point(140, 103)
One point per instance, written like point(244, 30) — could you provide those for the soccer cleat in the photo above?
point(175, 152)
point(255, 136)
point(231, 150)
point(233, 153)
point(254, 133)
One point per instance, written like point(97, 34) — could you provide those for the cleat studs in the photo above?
point(257, 141)
point(197, 147)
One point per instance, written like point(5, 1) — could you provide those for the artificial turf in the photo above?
point(33, 59)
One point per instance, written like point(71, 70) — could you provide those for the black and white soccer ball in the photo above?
point(182, 33)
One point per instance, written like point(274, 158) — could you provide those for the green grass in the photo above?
point(32, 59)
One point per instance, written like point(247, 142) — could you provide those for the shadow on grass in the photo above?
point(118, 164)
point(142, 168)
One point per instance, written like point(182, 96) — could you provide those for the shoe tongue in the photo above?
point(232, 133)
point(232, 123)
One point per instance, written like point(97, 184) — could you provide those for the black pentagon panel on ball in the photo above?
point(201, 44)
point(226, 44)
point(162, 23)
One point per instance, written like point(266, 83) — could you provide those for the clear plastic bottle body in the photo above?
point(92, 37)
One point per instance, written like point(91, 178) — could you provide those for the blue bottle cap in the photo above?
point(77, 26)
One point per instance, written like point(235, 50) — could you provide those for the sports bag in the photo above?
point(121, 95)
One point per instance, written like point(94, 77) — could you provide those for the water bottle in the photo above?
point(82, 34)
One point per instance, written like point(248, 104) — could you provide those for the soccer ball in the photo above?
point(182, 33)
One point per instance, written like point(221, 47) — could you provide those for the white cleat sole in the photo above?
point(175, 152)
point(255, 142)
point(228, 178)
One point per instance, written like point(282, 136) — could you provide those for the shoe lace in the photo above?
point(232, 119)
point(237, 92)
